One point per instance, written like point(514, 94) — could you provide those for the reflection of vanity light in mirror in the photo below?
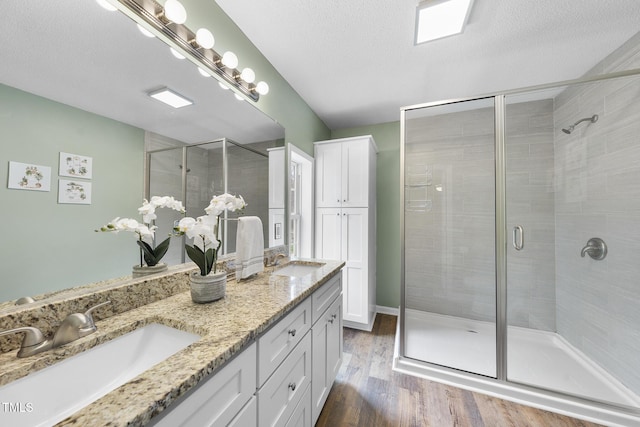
point(176, 54)
point(145, 32)
point(170, 98)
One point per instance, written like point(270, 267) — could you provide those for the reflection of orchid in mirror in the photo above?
point(145, 232)
point(204, 231)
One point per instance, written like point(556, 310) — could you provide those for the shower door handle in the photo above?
point(518, 237)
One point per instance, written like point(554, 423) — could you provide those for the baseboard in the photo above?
point(388, 310)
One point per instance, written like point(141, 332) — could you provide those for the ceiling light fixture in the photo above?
point(170, 97)
point(168, 23)
point(436, 19)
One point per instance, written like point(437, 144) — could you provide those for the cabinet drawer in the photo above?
point(217, 400)
point(323, 297)
point(277, 342)
point(278, 398)
point(301, 416)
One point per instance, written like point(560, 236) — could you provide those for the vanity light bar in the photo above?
point(153, 14)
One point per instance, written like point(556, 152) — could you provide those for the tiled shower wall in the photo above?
point(450, 237)
point(598, 195)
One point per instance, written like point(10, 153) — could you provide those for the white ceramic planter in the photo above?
point(207, 288)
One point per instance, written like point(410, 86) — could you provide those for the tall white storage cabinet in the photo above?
point(346, 221)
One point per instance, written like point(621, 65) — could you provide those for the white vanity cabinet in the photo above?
point(346, 221)
point(281, 380)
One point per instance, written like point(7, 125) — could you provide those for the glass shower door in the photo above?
point(573, 167)
point(449, 220)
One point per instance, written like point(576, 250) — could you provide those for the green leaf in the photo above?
point(149, 255)
point(211, 255)
point(196, 255)
point(162, 248)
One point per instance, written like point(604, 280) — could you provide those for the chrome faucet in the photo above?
point(33, 341)
point(274, 261)
point(74, 326)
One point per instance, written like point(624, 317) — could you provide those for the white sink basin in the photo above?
point(297, 270)
point(48, 396)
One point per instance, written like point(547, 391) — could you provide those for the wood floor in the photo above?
point(368, 393)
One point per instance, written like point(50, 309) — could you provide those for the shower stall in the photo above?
point(521, 245)
point(195, 173)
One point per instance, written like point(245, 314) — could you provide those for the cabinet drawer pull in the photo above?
point(330, 320)
point(333, 316)
point(292, 386)
point(292, 332)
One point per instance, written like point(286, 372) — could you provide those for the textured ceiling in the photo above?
point(354, 62)
point(76, 53)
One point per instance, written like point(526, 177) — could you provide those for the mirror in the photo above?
point(75, 53)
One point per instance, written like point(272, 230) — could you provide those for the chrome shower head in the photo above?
point(591, 119)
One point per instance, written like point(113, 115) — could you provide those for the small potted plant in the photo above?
point(208, 284)
point(150, 253)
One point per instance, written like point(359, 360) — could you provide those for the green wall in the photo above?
point(387, 137)
point(48, 246)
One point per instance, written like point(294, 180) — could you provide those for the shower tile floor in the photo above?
point(538, 358)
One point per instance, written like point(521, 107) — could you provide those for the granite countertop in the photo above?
point(226, 327)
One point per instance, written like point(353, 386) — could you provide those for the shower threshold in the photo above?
point(535, 358)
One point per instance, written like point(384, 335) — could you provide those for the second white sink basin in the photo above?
point(48, 396)
point(298, 270)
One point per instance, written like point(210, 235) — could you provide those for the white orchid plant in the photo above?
point(150, 254)
point(204, 231)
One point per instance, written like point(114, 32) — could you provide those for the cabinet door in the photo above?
point(328, 233)
point(327, 355)
point(276, 178)
point(355, 250)
point(334, 341)
point(328, 158)
point(355, 174)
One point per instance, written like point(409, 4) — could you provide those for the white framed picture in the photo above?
point(27, 176)
point(74, 192)
point(75, 165)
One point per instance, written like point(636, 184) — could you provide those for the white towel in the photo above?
point(249, 247)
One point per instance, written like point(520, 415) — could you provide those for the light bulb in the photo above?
point(204, 38)
point(144, 31)
point(262, 88)
point(248, 75)
point(176, 53)
point(223, 86)
point(175, 12)
point(203, 73)
point(238, 97)
point(105, 4)
point(230, 60)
